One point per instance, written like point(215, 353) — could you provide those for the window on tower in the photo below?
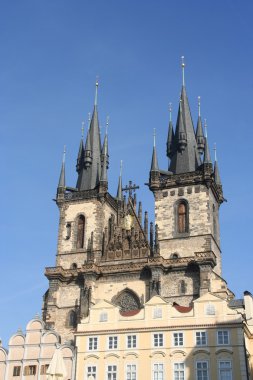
point(80, 231)
point(182, 217)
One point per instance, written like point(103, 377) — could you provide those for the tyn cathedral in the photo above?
point(108, 250)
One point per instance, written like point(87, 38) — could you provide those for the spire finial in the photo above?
point(89, 117)
point(215, 152)
point(205, 126)
point(199, 105)
point(64, 154)
point(183, 67)
point(96, 92)
point(121, 165)
point(107, 124)
point(170, 111)
point(154, 134)
point(82, 129)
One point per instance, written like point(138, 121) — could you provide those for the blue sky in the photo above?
point(50, 54)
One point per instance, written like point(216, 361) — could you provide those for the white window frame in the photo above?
point(228, 336)
point(196, 340)
point(157, 312)
point(114, 338)
point(96, 372)
point(153, 371)
point(131, 335)
point(158, 339)
point(113, 372)
point(131, 364)
point(178, 338)
point(173, 369)
point(196, 368)
point(103, 317)
point(88, 343)
point(230, 368)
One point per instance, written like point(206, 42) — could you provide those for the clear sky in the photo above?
point(50, 54)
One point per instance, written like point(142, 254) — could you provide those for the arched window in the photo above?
point(80, 231)
point(182, 217)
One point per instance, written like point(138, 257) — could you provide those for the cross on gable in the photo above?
point(130, 188)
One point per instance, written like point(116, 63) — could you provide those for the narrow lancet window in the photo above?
point(182, 217)
point(80, 232)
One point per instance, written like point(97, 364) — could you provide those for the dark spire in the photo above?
point(105, 153)
point(199, 132)
point(119, 192)
point(146, 224)
point(90, 174)
point(185, 156)
point(61, 183)
point(170, 138)
point(79, 163)
point(207, 157)
point(216, 168)
point(151, 239)
point(154, 163)
point(140, 212)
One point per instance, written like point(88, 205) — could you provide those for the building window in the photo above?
point(113, 342)
point(201, 338)
point(131, 341)
point(72, 319)
point(111, 372)
point(202, 370)
point(225, 370)
point(103, 317)
point(17, 370)
point(179, 371)
point(158, 371)
point(131, 372)
point(93, 344)
point(182, 217)
point(43, 369)
point(91, 371)
point(158, 340)
point(157, 313)
point(182, 287)
point(80, 231)
point(30, 370)
point(178, 339)
point(210, 309)
point(223, 337)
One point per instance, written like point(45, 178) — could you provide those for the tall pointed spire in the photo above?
point(90, 173)
point(79, 162)
point(216, 168)
point(185, 156)
point(170, 138)
point(199, 132)
point(105, 153)
point(154, 163)
point(119, 191)
point(207, 157)
point(61, 184)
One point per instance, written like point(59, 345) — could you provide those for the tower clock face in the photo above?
point(128, 222)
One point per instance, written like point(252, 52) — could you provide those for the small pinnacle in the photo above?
point(199, 104)
point(183, 67)
point(121, 165)
point(82, 129)
point(96, 92)
point(107, 125)
point(170, 110)
point(215, 152)
point(64, 154)
point(205, 126)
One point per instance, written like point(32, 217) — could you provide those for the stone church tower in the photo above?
point(107, 249)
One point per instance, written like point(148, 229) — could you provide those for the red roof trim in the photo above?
point(129, 313)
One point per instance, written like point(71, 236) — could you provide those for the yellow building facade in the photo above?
point(162, 341)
